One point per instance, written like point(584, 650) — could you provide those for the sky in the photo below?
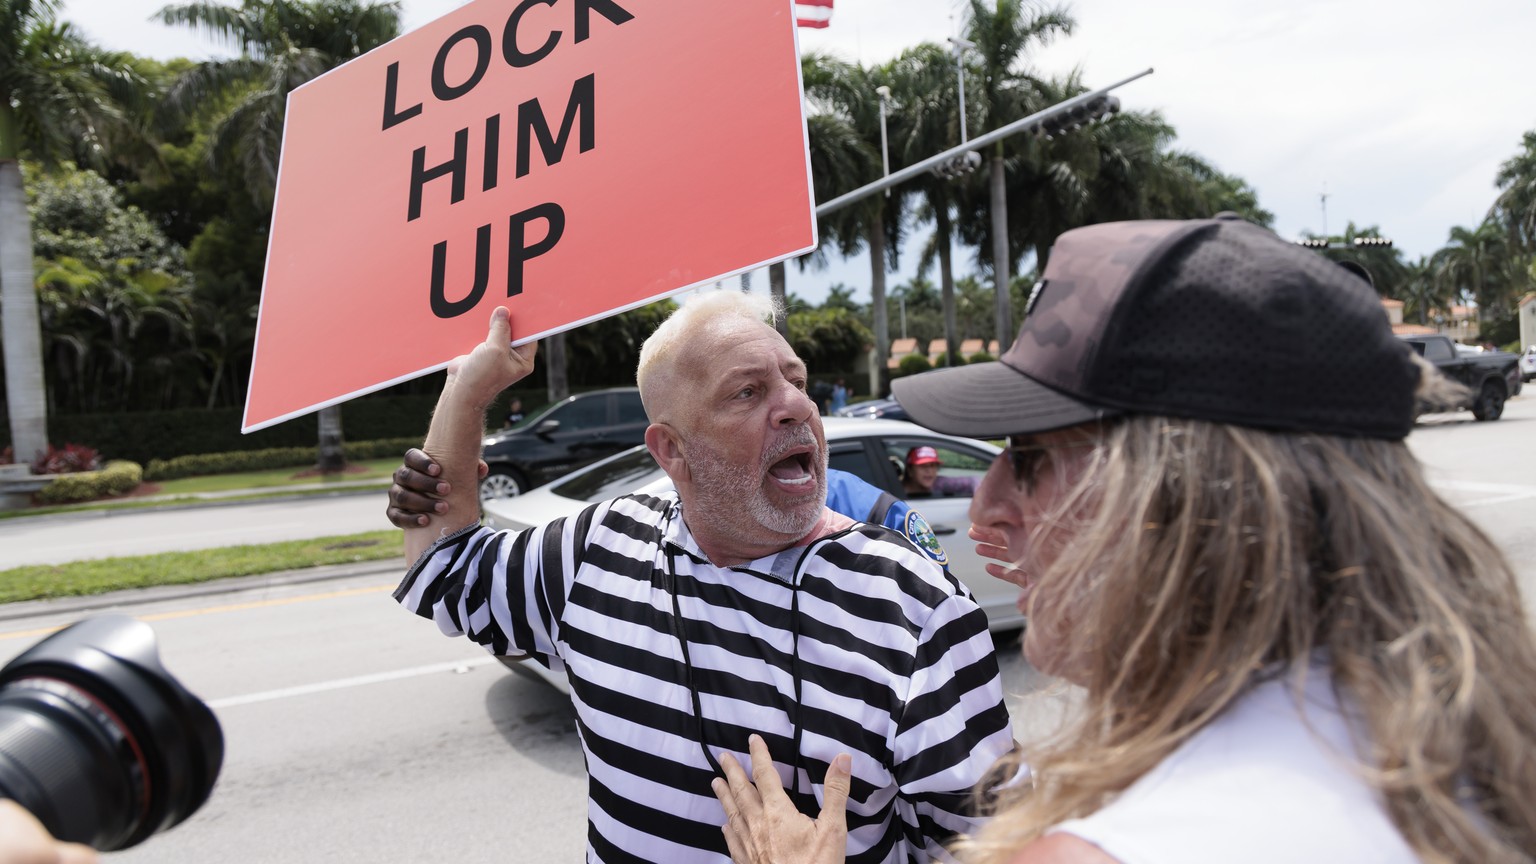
point(1399, 111)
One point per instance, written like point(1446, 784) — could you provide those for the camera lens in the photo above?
point(99, 741)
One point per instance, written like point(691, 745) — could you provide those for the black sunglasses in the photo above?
point(1027, 456)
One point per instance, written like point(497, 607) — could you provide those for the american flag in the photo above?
point(813, 13)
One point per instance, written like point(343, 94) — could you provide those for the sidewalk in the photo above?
point(192, 523)
point(274, 491)
point(392, 567)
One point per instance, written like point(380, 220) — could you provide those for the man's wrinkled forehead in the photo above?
point(730, 348)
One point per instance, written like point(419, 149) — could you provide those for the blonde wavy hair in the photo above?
point(1203, 553)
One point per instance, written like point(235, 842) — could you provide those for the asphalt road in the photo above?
point(357, 733)
point(91, 534)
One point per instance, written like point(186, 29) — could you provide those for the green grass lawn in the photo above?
point(258, 484)
point(377, 469)
point(39, 581)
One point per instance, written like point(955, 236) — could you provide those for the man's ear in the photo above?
point(666, 448)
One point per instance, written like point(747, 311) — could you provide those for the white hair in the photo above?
point(702, 313)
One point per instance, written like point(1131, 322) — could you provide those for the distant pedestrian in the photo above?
point(514, 413)
point(839, 397)
point(821, 394)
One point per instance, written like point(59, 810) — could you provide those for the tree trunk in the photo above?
point(333, 458)
point(877, 291)
point(554, 369)
point(25, 392)
point(1000, 274)
point(776, 290)
point(947, 283)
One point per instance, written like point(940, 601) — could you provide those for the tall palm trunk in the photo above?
point(947, 282)
point(25, 394)
point(555, 368)
point(877, 290)
point(1000, 274)
point(333, 457)
point(777, 291)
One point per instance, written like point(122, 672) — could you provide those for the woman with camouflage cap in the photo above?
point(1289, 647)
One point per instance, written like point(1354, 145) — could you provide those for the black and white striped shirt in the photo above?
point(888, 658)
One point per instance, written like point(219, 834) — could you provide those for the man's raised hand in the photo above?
point(493, 366)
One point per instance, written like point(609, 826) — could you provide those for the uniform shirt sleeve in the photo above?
point(954, 725)
point(504, 590)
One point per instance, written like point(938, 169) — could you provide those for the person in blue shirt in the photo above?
point(839, 397)
point(855, 498)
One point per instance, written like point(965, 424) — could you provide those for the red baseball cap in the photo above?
point(923, 456)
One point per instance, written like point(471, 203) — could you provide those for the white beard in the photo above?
point(723, 489)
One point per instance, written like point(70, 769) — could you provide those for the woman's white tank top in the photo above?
point(1273, 780)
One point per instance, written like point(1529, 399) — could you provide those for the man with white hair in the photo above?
point(737, 604)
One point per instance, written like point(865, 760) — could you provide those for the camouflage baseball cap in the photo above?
point(1214, 319)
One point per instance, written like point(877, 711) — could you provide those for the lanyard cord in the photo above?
point(680, 633)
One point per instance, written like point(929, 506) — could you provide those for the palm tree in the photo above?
point(1003, 33)
point(926, 122)
point(59, 96)
point(283, 44)
point(1470, 264)
point(1516, 205)
point(851, 94)
point(1422, 294)
point(1119, 168)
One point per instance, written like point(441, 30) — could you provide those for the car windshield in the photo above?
point(617, 476)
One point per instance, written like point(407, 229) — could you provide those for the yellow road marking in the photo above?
point(231, 607)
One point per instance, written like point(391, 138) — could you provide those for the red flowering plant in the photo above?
point(67, 460)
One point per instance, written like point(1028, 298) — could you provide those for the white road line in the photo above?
point(1485, 494)
point(358, 681)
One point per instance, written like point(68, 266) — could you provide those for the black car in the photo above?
point(560, 438)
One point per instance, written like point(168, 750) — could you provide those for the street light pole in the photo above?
point(885, 156)
point(877, 254)
point(940, 160)
point(951, 334)
point(960, 46)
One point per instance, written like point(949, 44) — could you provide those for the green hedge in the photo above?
point(272, 457)
point(142, 436)
point(147, 435)
point(119, 477)
point(912, 364)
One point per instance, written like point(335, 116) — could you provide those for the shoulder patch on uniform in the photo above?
point(922, 536)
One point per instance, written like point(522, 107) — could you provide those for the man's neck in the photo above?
point(732, 552)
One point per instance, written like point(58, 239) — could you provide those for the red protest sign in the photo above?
point(566, 158)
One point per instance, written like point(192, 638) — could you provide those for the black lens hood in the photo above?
point(115, 660)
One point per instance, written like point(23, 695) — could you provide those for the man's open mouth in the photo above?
point(793, 470)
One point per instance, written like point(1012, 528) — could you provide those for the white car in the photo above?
point(1528, 364)
point(872, 449)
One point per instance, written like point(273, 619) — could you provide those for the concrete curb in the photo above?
point(200, 503)
point(139, 596)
